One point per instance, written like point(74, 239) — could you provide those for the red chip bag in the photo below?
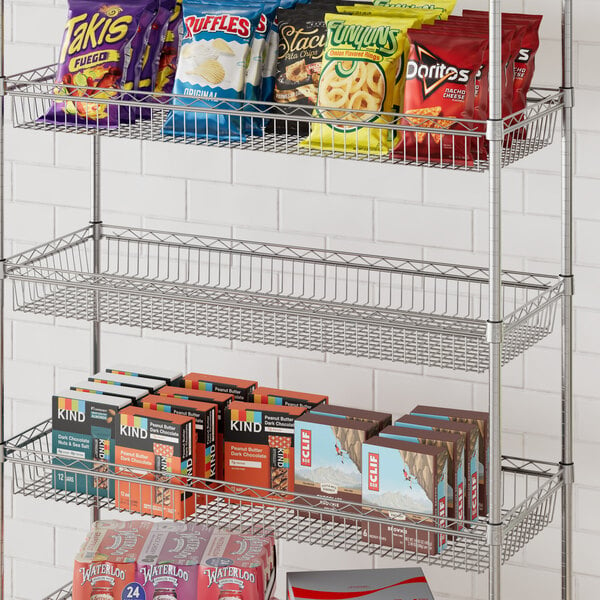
point(525, 61)
point(440, 87)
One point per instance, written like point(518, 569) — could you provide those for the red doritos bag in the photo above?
point(440, 88)
point(525, 61)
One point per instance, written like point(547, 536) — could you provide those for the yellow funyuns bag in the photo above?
point(363, 66)
point(424, 16)
point(447, 6)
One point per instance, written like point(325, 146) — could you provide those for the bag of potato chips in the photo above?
point(167, 63)
point(362, 75)
point(446, 6)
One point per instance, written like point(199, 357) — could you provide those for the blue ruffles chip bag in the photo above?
point(212, 66)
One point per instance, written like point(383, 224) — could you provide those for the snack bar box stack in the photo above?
point(401, 478)
point(84, 428)
point(265, 395)
point(120, 391)
point(470, 434)
point(143, 383)
point(240, 389)
point(472, 417)
point(454, 444)
point(167, 377)
point(373, 584)
point(205, 417)
point(259, 445)
point(328, 453)
point(220, 400)
point(149, 440)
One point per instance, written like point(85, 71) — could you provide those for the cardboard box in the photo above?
point(120, 391)
point(240, 389)
point(235, 566)
point(259, 445)
point(169, 563)
point(482, 420)
point(166, 376)
point(455, 446)
point(220, 400)
point(150, 385)
point(265, 395)
point(205, 418)
point(378, 419)
point(105, 566)
point(328, 458)
point(84, 429)
point(471, 437)
point(403, 478)
point(359, 584)
point(163, 442)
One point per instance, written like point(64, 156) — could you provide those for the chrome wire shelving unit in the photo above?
point(323, 300)
point(445, 315)
point(284, 131)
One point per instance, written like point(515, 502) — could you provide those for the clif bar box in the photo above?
point(120, 391)
point(482, 420)
point(259, 445)
point(105, 566)
point(264, 395)
point(150, 385)
point(471, 437)
point(83, 429)
point(220, 400)
point(205, 417)
point(455, 446)
point(241, 389)
point(378, 419)
point(160, 442)
point(401, 478)
point(328, 453)
point(167, 377)
point(367, 584)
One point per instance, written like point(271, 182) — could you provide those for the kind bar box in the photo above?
point(401, 478)
point(455, 446)
point(378, 419)
point(259, 445)
point(471, 437)
point(240, 389)
point(163, 442)
point(328, 452)
point(150, 385)
point(169, 563)
point(264, 395)
point(220, 400)
point(237, 567)
point(120, 391)
point(165, 376)
point(105, 566)
point(367, 584)
point(482, 420)
point(83, 428)
point(205, 417)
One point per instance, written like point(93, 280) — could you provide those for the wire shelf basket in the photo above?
point(529, 498)
point(440, 141)
point(322, 300)
point(64, 593)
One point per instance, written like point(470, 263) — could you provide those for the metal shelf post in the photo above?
point(495, 324)
point(567, 304)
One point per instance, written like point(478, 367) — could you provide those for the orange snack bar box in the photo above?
point(241, 389)
point(265, 395)
point(157, 441)
point(219, 399)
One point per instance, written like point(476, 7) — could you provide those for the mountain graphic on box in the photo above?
point(338, 477)
point(400, 501)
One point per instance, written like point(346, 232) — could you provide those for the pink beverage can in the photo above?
point(234, 567)
point(168, 564)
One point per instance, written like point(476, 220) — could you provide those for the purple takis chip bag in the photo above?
point(167, 63)
point(169, 560)
point(95, 53)
point(211, 68)
point(151, 55)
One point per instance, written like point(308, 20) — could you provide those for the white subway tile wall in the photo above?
point(348, 205)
